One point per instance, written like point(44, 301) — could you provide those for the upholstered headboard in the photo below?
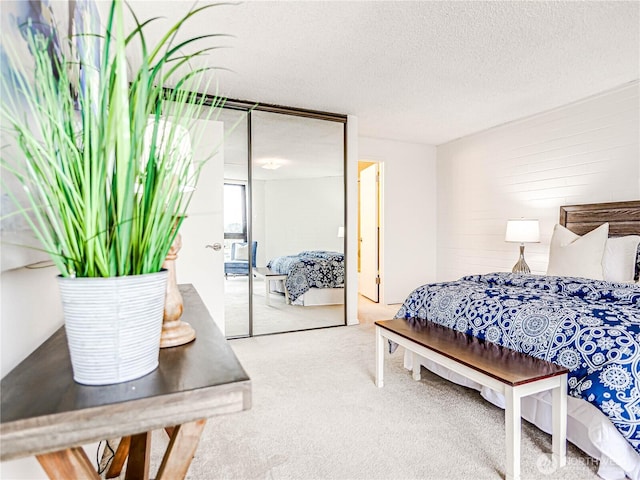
point(623, 217)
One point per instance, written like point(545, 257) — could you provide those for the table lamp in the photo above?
point(522, 231)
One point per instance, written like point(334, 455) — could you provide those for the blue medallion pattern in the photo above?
point(591, 327)
point(310, 269)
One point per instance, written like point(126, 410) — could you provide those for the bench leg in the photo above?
point(559, 439)
point(287, 300)
point(512, 427)
point(267, 290)
point(415, 366)
point(379, 358)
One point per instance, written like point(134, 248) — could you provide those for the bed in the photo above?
point(314, 277)
point(590, 326)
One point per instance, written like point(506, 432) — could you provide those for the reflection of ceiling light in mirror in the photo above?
point(272, 165)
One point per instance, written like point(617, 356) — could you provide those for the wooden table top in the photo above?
point(508, 366)
point(42, 409)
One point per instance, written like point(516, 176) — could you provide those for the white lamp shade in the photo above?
point(340, 232)
point(522, 231)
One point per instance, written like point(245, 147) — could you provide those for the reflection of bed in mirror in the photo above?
point(314, 277)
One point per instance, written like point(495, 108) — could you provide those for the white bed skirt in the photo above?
point(587, 427)
point(314, 296)
point(321, 296)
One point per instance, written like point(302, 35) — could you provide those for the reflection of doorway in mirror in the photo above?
point(369, 230)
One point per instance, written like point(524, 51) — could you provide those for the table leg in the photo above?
point(512, 427)
point(66, 464)
point(180, 451)
point(117, 464)
point(379, 358)
point(139, 452)
point(559, 439)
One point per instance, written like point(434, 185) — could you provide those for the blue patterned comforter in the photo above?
point(591, 327)
point(310, 269)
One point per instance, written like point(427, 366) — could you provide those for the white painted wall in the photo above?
point(351, 222)
point(31, 311)
point(586, 152)
point(408, 240)
point(303, 214)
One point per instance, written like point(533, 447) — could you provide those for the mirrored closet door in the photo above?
point(298, 213)
point(284, 215)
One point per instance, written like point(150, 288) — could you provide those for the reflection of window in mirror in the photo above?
point(235, 217)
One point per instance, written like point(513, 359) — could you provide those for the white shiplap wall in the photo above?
point(585, 152)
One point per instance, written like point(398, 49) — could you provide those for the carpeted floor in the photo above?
point(317, 414)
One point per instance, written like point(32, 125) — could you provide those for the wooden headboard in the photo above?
point(623, 217)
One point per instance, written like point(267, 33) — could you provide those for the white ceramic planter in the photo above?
point(113, 326)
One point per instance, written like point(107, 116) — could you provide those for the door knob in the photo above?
point(216, 246)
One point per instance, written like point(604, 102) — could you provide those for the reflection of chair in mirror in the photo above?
point(239, 263)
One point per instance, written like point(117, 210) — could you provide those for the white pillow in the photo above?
point(619, 260)
point(242, 252)
point(573, 255)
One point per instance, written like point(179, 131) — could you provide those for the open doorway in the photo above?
point(369, 224)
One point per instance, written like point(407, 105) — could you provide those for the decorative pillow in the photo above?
point(242, 252)
point(573, 255)
point(619, 260)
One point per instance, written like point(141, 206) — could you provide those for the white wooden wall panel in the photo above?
point(586, 152)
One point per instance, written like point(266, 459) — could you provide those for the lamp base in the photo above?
point(175, 332)
point(521, 266)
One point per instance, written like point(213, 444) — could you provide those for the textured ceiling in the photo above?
point(425, 72)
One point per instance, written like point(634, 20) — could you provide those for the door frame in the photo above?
point(380, 199)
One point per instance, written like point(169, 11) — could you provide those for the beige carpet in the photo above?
point(369, 312)
point(317, 415)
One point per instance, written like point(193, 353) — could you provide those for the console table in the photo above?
point(43, 412)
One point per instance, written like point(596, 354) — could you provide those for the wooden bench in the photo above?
point(506, 371)
point(269, 275)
